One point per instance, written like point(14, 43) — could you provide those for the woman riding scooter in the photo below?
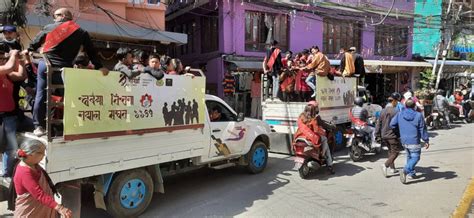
point(312, 129)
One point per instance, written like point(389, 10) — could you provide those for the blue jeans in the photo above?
point(413, 156)
point(11, 145)
point(276, 86)
point(311, 81)
point(39, 108)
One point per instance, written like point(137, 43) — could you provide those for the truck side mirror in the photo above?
point(240, 117)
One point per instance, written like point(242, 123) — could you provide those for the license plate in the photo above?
point(299, 160)
point(435, 114)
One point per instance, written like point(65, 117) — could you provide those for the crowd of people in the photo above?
point(400, 127)
point(64, 44)
point(293, 77)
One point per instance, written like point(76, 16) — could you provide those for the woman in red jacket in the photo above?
point(33, 186)
point(312, 128)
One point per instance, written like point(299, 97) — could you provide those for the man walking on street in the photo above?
point(412, 128)
point(387, 135)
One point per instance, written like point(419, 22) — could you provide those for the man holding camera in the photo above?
point(60, 42)
point(10, 71)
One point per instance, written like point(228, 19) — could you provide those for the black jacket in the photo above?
point(64, 53)
point(359, 65)
point(277, 65)
point(382, 129)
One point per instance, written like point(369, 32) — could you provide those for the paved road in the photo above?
point(356, 190)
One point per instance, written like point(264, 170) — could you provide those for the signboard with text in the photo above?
point(97, 106)
point(339, 92)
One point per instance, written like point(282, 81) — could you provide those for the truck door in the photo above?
point(227, 135)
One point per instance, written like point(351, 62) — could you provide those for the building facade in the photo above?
point(111, 24)
point(233, 35)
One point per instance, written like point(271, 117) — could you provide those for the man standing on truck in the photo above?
point(60, 42)
point(319, 66)
point(272, 65)
point(358, 64)
point(347, 67)
point(386, 135)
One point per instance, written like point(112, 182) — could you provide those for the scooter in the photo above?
point(307, 157)
point(359, 143)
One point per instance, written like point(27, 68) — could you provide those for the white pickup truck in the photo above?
point(124, 135)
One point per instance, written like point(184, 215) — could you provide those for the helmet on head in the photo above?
point(359, 101)
point(441, 92)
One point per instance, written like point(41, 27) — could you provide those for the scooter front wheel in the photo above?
point(304, 170)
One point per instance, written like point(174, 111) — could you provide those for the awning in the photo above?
point(388, 63)
point(125, 31)
point(245, 65)
point(454, 63)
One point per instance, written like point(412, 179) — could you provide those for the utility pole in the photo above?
point(448, 45)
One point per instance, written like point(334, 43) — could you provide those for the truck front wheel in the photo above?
point(257, 157)
point(130, 193)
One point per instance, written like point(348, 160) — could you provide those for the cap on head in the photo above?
point(9, 28)
point(395, 96)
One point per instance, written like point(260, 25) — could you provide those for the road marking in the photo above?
point(466, 201)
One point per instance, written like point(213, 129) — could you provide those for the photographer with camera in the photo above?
point(11, 39)
point(10, 71)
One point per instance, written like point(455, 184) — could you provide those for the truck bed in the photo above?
point(69, 160)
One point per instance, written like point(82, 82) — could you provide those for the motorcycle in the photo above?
point(470, 113)
point(359, 142)
point(309, 157)
point(437, 120)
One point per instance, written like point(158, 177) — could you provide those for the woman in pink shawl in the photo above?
point(33, 186)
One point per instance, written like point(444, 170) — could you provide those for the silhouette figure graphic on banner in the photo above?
point(181, 113)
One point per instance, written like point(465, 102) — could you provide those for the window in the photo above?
point(391, 40)
point(210, 32)
point(226, 114)
point(262, 28)
point(339, 33)
point(189, 29)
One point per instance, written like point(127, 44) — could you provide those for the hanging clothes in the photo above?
point(229, 84)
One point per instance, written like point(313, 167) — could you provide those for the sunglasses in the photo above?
point(58, 14)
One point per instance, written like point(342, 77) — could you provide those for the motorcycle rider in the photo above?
point(312, 128)
point(359, 117)
point(441, 104)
